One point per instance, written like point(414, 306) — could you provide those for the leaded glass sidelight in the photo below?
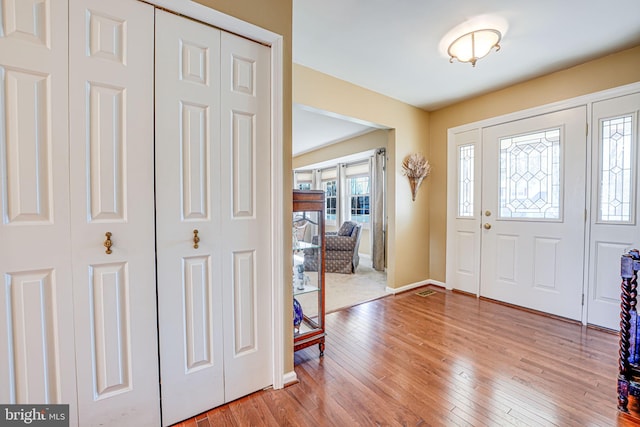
point(465, 180)
point(530, 176)
point(616, 171)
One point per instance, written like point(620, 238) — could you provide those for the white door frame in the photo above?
point(586, 100)
point(217, 19)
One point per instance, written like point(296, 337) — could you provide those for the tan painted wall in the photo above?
point(358, 144)
point(408, 233)
point(608, 72)
point(275, 16)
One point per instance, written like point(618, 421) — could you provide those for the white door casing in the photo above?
point(463, 243)
point(213, 176)
point(612, 235)
point(111, 152)
point(535, 263)
point(37, 355)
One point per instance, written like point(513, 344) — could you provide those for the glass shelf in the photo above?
point(305, 245)
point(307, 289)
point(306, 327)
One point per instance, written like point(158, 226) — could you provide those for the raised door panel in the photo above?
point(245, 215)
point(199, 311)
point(110, 330)
point(508, 251)
point(28, 21)
point(111, 139)
point(28, 179)
point(36, 330)
point(34, 348)
point(107, 152)
point(194, 148)
point(245, 306)
point(188, 201)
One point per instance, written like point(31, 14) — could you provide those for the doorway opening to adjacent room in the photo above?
point(346, 159)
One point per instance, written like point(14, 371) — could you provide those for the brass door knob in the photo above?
point(108, 243)
point(487, 226)
point(196, 239)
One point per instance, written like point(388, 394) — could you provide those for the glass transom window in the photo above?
point(530, 176)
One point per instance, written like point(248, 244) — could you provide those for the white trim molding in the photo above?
point(277, 214)
point(416, 285)
point(407, 287)
point(437, 283)
point(290, 378)
point(548, 108)
point(205, 14)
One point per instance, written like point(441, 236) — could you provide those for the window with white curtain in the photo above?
point(331, 199)
point(329, 184)
point(303, 180)
point(359, 190)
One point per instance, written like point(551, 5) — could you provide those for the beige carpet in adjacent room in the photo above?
point(347, 290)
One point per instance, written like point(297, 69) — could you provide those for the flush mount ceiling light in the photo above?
point(474, 45)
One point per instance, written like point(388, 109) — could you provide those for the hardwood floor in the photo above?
point(443, 360)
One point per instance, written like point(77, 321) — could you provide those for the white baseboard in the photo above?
point(407, 287)
point(289, 378)
point(437, 283)
point(415, 285)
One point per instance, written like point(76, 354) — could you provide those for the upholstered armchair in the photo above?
point(341, 250)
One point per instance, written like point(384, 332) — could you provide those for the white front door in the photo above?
point(533, 212)
point(37, 356)
point(111, 140)
point(615, 204)
point(212, 176)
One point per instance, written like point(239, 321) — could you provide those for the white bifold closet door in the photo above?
point(37, 354)
point(76, 161)
point(213, 165)
point(111, 170)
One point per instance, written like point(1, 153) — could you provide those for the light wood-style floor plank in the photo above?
point(448, 359)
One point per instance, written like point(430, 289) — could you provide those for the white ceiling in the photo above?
point(314, 128)
point(398, 47)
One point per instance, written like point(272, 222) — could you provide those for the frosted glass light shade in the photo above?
point(474, 45)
